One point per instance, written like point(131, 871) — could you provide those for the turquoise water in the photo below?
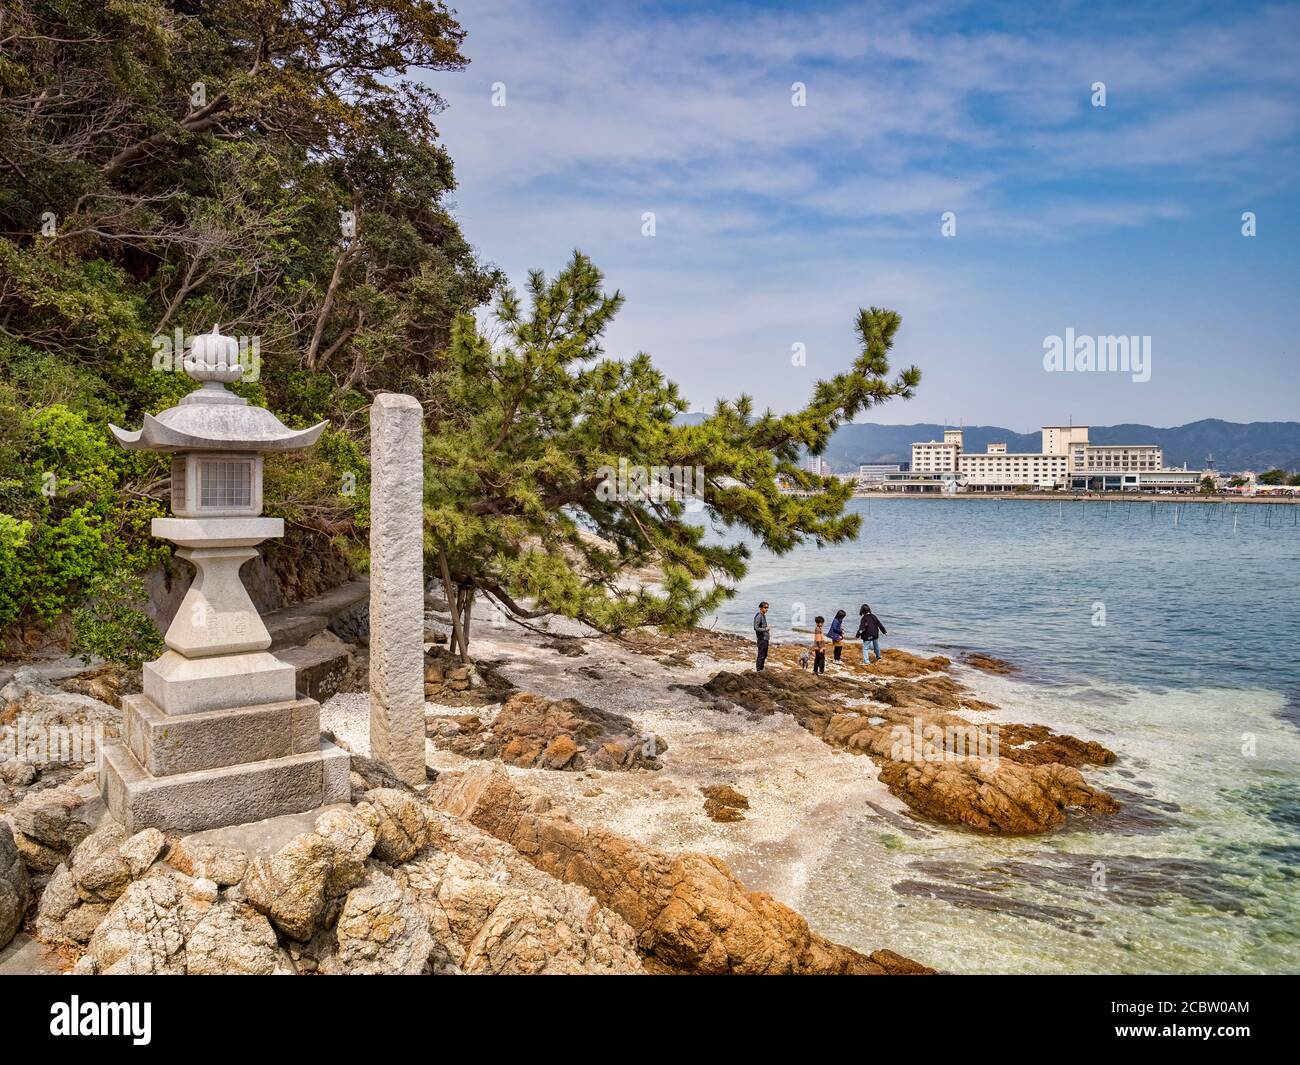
point(1170, 634)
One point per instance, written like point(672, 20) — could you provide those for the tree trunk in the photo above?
point(467, 613)
point(453, 605)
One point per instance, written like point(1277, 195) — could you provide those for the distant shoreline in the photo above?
point(1116, 497)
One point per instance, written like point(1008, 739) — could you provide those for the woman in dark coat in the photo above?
point(870, 630)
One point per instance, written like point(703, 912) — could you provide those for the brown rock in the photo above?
point(381, 930)
point(397, 820)
point(233, 940)
point(37, 856)
point(99, 868)
point(294, 885)
point(143, 933)
point(15, 886)
point(1009, 779)
point(1011, 799)
point(533, 732)
point(225, 866)
point(988, 664)
point(58, 818)
point(689, 911)
point(722, 802)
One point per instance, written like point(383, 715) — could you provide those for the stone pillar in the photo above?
point(397, 584)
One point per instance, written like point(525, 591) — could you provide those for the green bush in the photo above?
point(111, 625)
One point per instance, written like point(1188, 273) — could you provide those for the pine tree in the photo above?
point(529, 424)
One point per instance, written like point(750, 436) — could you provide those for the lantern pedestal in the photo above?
point(219, 736)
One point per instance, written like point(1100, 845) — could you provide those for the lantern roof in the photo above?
point(212, 418)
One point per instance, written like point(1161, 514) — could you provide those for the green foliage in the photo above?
point(169, 165)
point(65, 524)
point(528, 421)
point(110, 625)
point(13, 539)
point(1273, 477)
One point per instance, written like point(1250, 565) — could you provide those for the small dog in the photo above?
point(803, 660)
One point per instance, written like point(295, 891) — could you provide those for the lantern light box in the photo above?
point(216, 485)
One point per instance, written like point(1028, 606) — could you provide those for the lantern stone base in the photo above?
point(229, 795)
point(194, 771)
point(180, 685)
point(166, 744)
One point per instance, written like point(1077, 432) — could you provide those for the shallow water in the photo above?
point(1169, 633)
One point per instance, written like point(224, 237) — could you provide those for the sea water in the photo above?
point(1168, 632)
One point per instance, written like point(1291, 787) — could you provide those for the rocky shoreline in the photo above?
point(599, 805)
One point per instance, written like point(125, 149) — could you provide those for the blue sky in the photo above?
point(774, 223)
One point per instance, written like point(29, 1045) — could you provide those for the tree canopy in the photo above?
point(529, 422)
point(272, 165)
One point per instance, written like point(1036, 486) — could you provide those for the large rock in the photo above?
point(17, 773)
point(26, 683)
point(68, 726)
point(1008, 779)
point(1009, 798)
point(79, 895)
point(15, 886)
point(492, 912)
point(144, 933)
point(163, 926)
point(294, 886)
point(397, 821)
point(55, 820)
point(381, 930)
point(107, 860)
point(59, 902)
point(531, 731)
point(232, 939)
point(349, 831)
point(691, 914)
point(197, 858)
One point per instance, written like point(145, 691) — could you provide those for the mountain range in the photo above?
point(1233, 445)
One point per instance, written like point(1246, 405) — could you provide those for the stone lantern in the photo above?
point(219, 736)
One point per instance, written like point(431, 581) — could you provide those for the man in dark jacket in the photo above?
point(869, 632)
point(761, 633)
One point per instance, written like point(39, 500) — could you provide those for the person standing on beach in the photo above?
point(836, 633)
point(870, 630)
point(761, 633)
point(819, 646)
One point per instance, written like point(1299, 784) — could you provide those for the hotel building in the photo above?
point(1067, 460)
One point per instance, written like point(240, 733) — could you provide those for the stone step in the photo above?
point(320, 668)
point(293, 626)
point(166, 744)
point(343, 608)
point(212, 798)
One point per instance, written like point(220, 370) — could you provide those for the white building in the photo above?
point(872, 474)
point(818, 465)
point(1059, 439)
point(937, 456)
point(1000, 469)
point(1116, 458)
point(1067, 460)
